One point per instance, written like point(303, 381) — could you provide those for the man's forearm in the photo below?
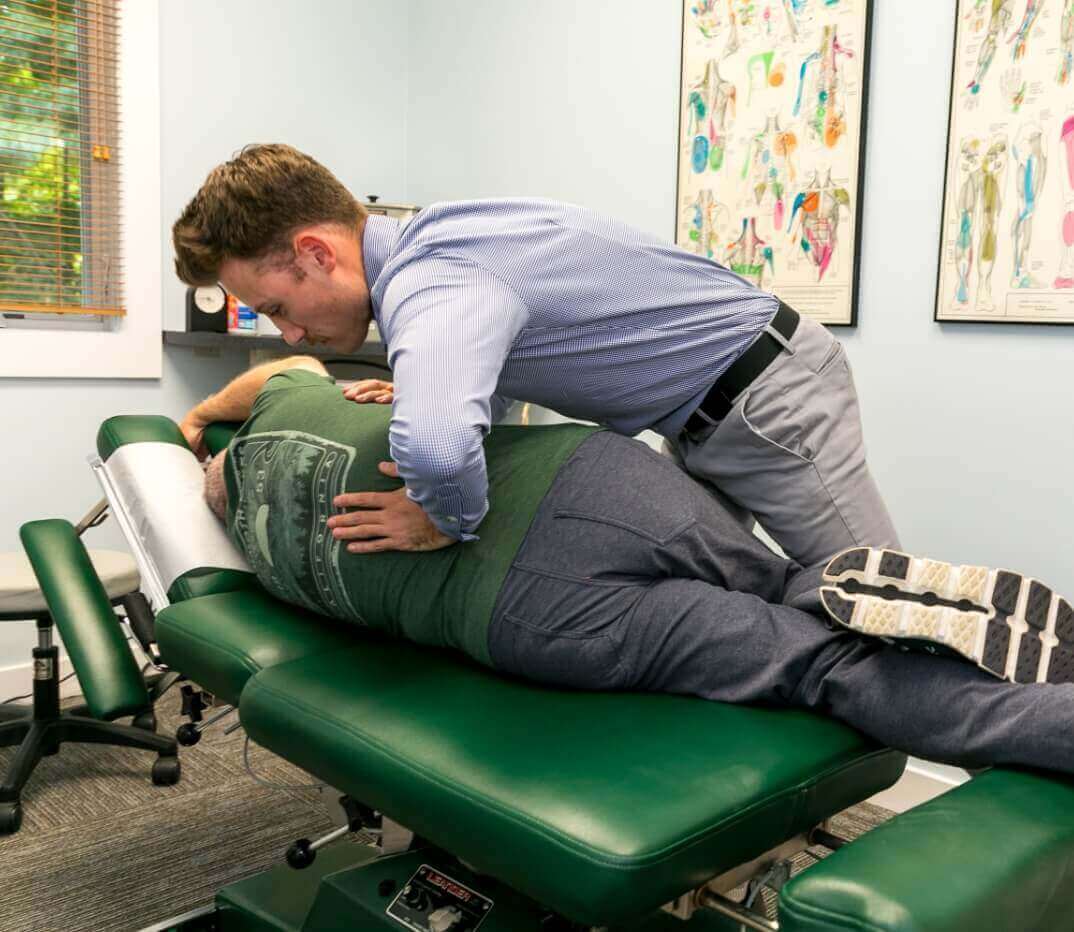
point(236, 399)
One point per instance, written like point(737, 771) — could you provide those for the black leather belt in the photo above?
point(757, 357)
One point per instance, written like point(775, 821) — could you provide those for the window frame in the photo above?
point(127, 347)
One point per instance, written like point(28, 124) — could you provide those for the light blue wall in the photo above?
point(330, 79)
point(968, 427)
point(568, 100)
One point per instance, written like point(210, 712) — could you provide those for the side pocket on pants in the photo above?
point(577, 661)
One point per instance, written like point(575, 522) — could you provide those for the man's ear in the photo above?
point(314, 251)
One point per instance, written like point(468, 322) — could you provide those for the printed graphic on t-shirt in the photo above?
point(286, 482)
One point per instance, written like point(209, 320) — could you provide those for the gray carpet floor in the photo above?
point(103, 850)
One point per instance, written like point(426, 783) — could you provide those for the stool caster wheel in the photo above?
point(166, 771)
point(300, 854)
point(187, 735)
point(10, 818)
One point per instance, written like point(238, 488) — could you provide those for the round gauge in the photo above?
point(210, 299)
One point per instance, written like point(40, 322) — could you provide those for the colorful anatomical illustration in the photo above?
point(969, 195)
point(1020, 39)
point(980, 200)
point(1066, 43)
point(770, 144)
point(815, 220)
point(711, 99)
point(824, 111)
point(1007, 242)
point(706, 214)
point(993, 179)
point(1031, 169)
point(997, 25)
point(770, 166)
point(708, 16)
point(748, 255)
point(1065, 278)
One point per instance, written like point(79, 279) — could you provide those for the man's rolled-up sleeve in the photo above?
point(452, 324)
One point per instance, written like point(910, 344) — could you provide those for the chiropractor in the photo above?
point(480, 301)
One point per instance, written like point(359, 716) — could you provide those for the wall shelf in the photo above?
point(235, 343)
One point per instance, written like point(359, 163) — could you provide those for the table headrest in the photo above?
point(155, 485)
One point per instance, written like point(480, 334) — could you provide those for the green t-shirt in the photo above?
point(281, 482)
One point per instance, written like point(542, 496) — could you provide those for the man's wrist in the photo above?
point(195, 418)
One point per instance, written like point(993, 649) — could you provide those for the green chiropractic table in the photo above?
point(494, 803)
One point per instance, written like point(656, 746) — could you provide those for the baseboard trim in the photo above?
point(18, 680)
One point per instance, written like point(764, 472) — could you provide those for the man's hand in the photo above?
point(366, 391)
point(193, 429)
point(385, 521)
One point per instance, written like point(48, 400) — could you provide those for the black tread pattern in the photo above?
point(1005, 596)
point(1029, 649)
point(997, 641)
point(851, 560)
point(1061, 666)
point(1064, 622)
point(894, 565)
point(1037, 605)
point(839, 608)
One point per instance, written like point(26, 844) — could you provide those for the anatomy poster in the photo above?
point(1007, 242)
point(771, 130)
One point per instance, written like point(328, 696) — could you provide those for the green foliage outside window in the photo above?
point(41, 152)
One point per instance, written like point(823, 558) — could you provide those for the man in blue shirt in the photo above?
point(483, 301)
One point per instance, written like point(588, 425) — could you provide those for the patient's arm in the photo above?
point(236, 399)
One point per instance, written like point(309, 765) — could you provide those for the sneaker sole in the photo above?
point(1012, 626)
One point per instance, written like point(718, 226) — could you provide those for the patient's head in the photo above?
point(215, 487)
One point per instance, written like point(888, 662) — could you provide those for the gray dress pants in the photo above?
point(791, 453)
point(634, 577)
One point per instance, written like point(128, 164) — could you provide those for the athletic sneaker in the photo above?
point(1008, 624)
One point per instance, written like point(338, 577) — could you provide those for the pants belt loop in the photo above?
point(780, 339)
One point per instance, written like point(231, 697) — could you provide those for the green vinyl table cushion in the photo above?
point(137, 428)
point(599, 805)
point(221, 640)
point(993, 855)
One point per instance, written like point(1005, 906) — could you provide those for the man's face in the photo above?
point(320, 297)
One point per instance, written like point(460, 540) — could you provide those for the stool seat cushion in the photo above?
point(21, 597)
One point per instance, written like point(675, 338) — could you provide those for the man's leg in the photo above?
point(686, 636)
point(791, 452)
point(607, 593)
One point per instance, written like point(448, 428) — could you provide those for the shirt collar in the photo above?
point(380, 232)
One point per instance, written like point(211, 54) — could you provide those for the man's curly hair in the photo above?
point(250, 207)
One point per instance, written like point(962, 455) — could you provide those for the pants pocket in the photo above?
point(555, 658)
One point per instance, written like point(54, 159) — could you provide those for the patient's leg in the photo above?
point(690, 637)
point(634, 577)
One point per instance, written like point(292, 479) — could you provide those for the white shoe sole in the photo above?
point(1011, 625)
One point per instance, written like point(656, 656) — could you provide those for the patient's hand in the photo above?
point(194, 432)
point(370, 390)
point(385, 521)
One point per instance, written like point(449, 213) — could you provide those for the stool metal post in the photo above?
point(46, 661)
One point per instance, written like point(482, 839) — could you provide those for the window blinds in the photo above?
point(59, 157)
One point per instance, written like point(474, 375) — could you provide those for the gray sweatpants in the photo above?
point(791, 453)
point(634, 577)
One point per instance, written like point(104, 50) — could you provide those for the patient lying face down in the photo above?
point(601, 565)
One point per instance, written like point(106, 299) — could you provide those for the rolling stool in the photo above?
point(40, 732)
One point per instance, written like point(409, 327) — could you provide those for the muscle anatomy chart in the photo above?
point(770, 144)
point(1007, 249)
